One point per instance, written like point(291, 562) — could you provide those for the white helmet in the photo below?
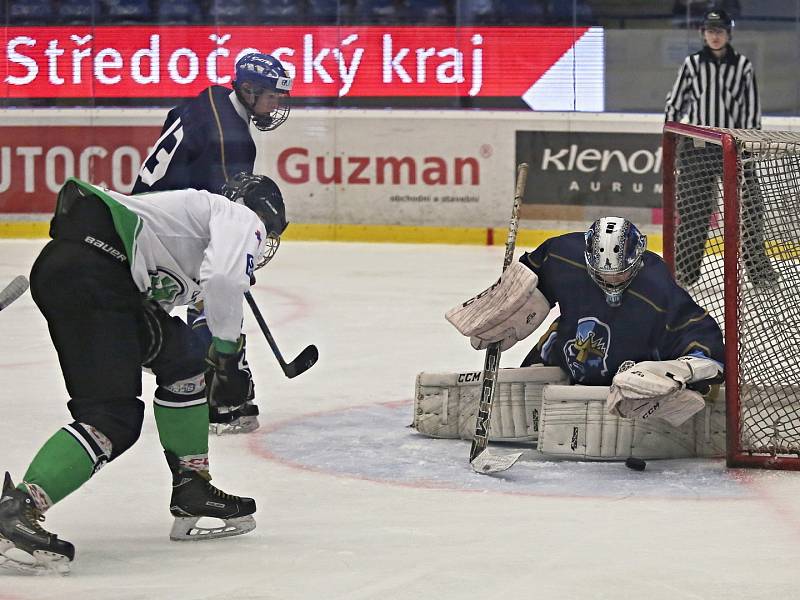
point(614, 254)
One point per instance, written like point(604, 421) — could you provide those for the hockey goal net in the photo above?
point(732, 237)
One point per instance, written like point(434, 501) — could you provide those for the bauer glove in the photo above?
point(229, 381)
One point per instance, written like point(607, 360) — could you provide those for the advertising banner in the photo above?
point(592, 168)
point(537, 65)
point(35, 161)
point(422, 168)
point(369, 167)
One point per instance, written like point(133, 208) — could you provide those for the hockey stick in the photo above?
point(480, 458)
point(304, 361)
point(13, 290)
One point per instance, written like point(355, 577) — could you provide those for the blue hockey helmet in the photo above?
point(263, 86)
point(260, 194)
point(614, 254)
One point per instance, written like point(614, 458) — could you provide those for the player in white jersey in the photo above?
point(105, 283)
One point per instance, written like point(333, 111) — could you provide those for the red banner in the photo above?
point(177, 61)
point(35, 161)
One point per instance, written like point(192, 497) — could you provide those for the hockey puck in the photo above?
point(637, 464)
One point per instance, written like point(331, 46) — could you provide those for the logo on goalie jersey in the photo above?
point(587, 352)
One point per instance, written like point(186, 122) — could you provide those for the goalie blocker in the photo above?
point(535, 406)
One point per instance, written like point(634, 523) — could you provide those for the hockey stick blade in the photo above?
point(304, 361)
point(487, 463)
point(13, 290)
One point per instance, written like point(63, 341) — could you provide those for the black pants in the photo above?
point(699, 173)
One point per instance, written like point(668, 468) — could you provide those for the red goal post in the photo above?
point(731, 225)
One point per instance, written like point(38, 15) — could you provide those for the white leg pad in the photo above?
point(446, 404)
point(575, 424)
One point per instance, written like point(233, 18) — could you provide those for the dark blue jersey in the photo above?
point(657, 319)
point(204, 141)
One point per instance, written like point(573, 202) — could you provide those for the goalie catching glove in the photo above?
point(228, 378)
point(507, 312)
point(657, 389)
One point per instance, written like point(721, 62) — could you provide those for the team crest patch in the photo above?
point(587, 352)
point(165, 287)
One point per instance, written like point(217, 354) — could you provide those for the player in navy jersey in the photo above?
point(619, 306)
point(646, 316)
point(206, 140)
point(204, 143)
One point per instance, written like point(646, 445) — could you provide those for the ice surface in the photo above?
point(353, 505)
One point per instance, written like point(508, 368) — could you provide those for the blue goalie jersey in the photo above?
point(657, 319)
point(204, 141)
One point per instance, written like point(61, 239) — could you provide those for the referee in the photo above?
point(716, 87)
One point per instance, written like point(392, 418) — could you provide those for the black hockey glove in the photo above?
point(228, 378)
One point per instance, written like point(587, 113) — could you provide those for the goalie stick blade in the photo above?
point(13, 290)
point(304, 361)
point(487, 463)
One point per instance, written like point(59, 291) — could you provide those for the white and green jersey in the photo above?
point(185, 246)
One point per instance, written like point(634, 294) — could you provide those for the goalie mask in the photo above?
point(614, 255)
point(262, 86)
point(261, 195)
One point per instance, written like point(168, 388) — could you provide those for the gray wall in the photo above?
point(641, 66)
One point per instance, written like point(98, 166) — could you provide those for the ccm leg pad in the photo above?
point(446, 404)
point(575, 424)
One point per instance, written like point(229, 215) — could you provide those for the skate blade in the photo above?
point(186, 529)
point(488, 464)
point(240, 425)
point(40, 562)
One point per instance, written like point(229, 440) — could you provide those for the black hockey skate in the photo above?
point(241, 419)
point(193, 497)
point(24, 545)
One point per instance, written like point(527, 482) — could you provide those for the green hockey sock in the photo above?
point(60, 467)
point(183, 431)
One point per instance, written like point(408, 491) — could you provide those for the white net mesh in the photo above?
point(766, 286)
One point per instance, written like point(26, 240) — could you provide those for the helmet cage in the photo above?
point(270, 249)
point(274, 118)
point(264, 73)
point(268, 121)
point(613, 252)
point(261, 195)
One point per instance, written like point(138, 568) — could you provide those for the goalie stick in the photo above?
point(304, 361)
point(13, 290)
point(480, 458)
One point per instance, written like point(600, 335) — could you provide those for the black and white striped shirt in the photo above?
point(716, 92)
